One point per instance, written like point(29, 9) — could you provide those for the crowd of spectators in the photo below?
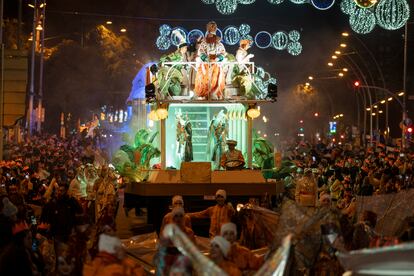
point(59, 202)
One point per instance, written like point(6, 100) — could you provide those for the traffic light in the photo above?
point(410, 130)
point(356, 83)
point(316, 114)
point(272, 91)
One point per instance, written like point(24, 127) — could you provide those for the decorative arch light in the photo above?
point(280, 40)
point(175, 40)
point(231, 35)
point(244, 29)
point(392, 14)
point(163, 43)
point(208, 1)
point(226, 7)
point(348, 6)
point(193, 35)
point(362, 21)
point(275, 2)
point(246, 2)
point(165, 30)
point(322, 4)
point(294, 35)
point(298, 2)
point(294, 48)
point(263, 39)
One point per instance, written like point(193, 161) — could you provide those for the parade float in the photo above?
point(198, 100)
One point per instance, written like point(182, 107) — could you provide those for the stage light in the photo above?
point(253, 112)
point(162, 113)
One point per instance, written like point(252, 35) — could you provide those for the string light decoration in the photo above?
point(163, 43)
point(175, 40)
point(193, 35)
point(365, 4)
point(392, 14)
point(348, 6)
point(244, 29)
point(362, 21)
point(294, 35)
point(231, 35)
point(165, 30)
point(226, 7)
point(280, 40)
point(246, 2)
point(263, 39)
point(322, 4)
point(294, 48)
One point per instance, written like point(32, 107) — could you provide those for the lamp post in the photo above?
point(402, 104)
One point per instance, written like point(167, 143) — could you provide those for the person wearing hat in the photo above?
point(219, 214)
point(306, 189)
point(243, 80)
point(233, 158)
point(241, 256)
point(210, 78)
point(177, 201)
point(219, 249)
point(171, 77)
point(171, 252)
point(112, 260)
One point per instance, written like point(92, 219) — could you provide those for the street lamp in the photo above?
point(330, 64)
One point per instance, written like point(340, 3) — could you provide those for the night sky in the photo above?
point(320, 37)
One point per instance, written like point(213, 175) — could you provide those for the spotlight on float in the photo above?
point(153, 116)
point(162, 112)
point(253, 112)
point(150, 92)
point(272, 92)
point(154, 69)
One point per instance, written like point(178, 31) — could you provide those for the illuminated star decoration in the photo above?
point(232, 35)
point(227, 7)
point(365, 14)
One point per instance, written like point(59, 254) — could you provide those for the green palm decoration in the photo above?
point(133, 161)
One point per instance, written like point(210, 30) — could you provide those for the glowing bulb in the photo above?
point(108, 22)
point(310, 78)
point(123, 30)
point(401, 94)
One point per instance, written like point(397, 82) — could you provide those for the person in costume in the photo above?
point(241, 256)
point(180, 136)
point(112, 260)
point(171, 78)
point(167, 251)
point(188, 148)
point(217, 137)
point(94, 124)
point(210, 78)
point(232, 159)
point(243, 79)
point(219, 214)
point(177, 201)
point(219, 249)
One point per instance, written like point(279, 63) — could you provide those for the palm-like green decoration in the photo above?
point(133, 161)
point(262, 152)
